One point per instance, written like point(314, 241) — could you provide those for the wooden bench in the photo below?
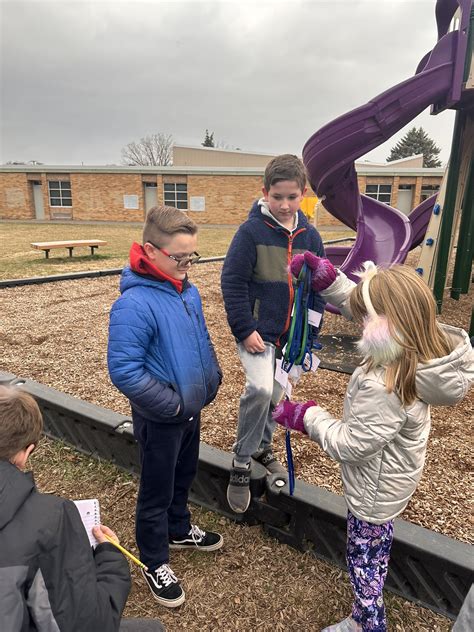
point(70, 245)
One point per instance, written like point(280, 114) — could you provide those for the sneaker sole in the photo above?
point(238, 510)
point(168, 603)
point(194, 547)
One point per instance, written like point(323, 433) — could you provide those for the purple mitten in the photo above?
point(323, 272)
point(290, 414)
point(296, 265)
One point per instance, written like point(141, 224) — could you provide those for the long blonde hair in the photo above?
point(399, 294)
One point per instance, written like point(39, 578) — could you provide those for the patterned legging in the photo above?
point(368, 554)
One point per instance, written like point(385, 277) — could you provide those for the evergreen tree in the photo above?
point(208, 139)
point(416, 141)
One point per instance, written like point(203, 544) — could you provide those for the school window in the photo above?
point(428, 190)
point(380, 192)
point(60, 193)
point(176, 194)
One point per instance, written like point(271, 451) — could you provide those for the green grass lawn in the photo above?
point(18, 260)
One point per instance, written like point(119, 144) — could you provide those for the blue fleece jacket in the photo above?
point(159, 353)
point(257, 284)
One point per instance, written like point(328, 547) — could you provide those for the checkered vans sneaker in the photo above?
point(164, 586)
point(197, 539)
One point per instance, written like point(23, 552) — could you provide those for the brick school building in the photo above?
point(210, 193)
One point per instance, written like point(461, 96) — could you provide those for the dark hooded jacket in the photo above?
point(256, 282)
point(50, 578)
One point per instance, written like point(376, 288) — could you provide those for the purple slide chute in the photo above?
point(384, 234)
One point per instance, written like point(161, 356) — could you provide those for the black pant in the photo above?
point(169, 455)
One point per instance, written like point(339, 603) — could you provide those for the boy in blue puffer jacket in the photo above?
point(161, 357)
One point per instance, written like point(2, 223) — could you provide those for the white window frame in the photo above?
point(428, 190)
point(381, 196)
point(172, 196)
point(60, 195)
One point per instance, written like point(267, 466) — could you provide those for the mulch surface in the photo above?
point(56, 334)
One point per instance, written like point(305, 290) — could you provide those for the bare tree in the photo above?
point(156, 149)
point(21, 162)
point(223, 144)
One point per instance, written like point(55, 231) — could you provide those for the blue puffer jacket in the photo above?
point(159, 354)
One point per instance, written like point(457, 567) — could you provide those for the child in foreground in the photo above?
point(410, 362)
point(50, 577)
point(161, 357)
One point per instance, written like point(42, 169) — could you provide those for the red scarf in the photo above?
point(140, 264)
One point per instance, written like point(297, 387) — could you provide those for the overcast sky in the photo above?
point(81, 79)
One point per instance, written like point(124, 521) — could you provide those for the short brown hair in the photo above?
point(285, 167)
point(162, 222)
point(21, 422)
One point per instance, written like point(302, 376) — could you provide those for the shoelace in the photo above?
point(197, 534)
point(165, 575)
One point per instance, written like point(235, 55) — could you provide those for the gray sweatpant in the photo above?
point(262, 393)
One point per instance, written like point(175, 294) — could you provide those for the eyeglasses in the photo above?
point(181, 262)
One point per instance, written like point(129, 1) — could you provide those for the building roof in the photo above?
point(416, 158)
point(230, 151)
point(390, 169)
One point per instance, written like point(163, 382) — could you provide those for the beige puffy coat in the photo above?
point(380, 443)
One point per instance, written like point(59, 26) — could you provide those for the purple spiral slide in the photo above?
point(384, 234)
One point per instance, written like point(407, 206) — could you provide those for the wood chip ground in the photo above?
point(56, 334)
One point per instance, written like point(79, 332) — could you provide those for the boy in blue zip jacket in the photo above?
point(258, 291)
point(161, 357)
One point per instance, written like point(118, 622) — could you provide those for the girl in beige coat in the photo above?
point(410, 362)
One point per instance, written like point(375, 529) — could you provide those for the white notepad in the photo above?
point(89, 511)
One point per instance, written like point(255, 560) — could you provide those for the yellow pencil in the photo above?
point(125, 552)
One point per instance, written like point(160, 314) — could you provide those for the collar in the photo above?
point(141, 264)
point(265, 209)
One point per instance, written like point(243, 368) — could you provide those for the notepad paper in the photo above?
point(89, 511)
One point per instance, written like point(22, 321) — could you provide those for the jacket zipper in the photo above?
point(196, 335)
point(290, 282)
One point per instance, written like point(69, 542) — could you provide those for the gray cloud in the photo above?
point(80, 80)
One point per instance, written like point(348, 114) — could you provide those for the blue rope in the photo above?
point(291, 467)
point(299, 319)
point(299, 347)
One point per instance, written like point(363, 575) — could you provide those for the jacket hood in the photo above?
point(445, 381)
point(141, 272)
point(15, 487)
point(141, 264)
point(256, 214)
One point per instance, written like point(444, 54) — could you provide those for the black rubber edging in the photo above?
point(113, 271)
point(53, 278)
point(72, 276)
point(426, 567)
